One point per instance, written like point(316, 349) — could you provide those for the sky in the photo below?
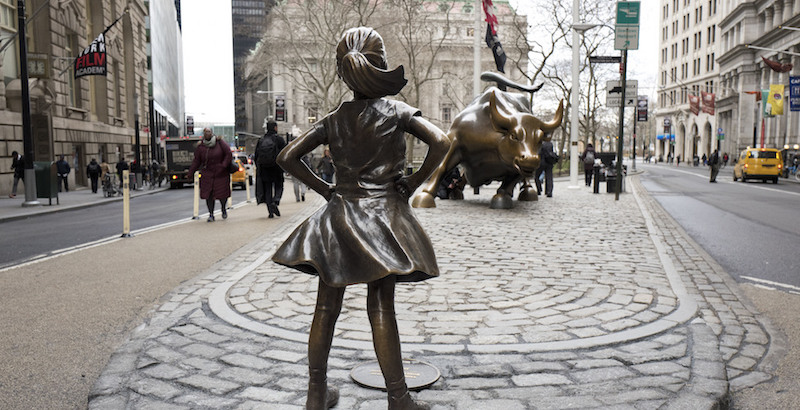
point(208, 57)
point(208, 60)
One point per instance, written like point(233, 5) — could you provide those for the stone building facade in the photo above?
point(717, 46)
point(440, 99)
point(88, 117)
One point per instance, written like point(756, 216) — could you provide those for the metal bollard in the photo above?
point(247, 187)
point(196, 181)
point(229, 203)
point(596, 176)
point(126, 205)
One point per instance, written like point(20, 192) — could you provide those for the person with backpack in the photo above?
point(93, 171)
point(269, 176)
point(588, 158)
point(547, 159)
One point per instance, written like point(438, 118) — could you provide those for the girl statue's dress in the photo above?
point(367, 230)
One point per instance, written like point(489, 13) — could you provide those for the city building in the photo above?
point(92, 116)
point(725, 48)
point(751, 32)
point(249, 24)
point(688, 47)
point(277, 88)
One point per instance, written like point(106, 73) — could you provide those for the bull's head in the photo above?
point(522, 134)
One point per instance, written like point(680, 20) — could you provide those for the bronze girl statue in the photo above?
point(366, 233)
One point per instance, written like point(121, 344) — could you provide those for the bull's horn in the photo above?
point(556, 121)
point(499, 117)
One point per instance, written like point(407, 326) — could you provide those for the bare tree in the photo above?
point(300, 46)
point(550, 47)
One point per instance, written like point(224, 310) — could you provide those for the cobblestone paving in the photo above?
point(532, 276)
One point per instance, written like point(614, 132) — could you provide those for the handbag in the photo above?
point(233, 167)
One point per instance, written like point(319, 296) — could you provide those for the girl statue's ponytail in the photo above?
point(361, 64)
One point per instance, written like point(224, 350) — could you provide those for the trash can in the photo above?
point(611, 178)
point(46, 180)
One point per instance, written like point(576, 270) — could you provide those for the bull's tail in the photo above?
point(503, 82)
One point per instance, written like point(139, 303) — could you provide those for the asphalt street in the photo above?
point(747, 227)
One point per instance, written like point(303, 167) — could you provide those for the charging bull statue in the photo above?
point(495, 138)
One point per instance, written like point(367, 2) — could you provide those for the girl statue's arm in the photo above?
point(290, 159)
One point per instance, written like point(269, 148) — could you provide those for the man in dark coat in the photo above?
point(93, 171)
point(547, 158)
point(269, 177)
point(121, 166)
point(62, 169)
point(715, 164)
point(18, 165)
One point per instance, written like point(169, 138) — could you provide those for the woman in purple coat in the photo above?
point(211, 158)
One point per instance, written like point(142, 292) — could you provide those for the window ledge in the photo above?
point(79, 113)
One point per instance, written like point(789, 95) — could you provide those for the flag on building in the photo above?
point(708, 102)
point(491, 18)
point(775, 98)
point(92, 60)
point(776, 66)
point(694, 104)
point(492, 41)
point(766, 107)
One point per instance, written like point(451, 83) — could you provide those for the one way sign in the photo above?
point(614, 93)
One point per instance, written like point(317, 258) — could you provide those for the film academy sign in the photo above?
point(92, 60)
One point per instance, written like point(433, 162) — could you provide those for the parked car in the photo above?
point(758, 163)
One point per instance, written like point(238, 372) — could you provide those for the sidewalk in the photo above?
point(82, 197)
point(532, 310)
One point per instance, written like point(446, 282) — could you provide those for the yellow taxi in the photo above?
point(239, 178)
point(758, 163)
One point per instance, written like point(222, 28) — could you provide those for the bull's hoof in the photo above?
point(423, 200)
point(528, 194)
point(501, 201)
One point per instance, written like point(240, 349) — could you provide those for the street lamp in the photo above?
point(577, 31)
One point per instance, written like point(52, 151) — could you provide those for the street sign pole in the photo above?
point(633, 141)
point(618, 188)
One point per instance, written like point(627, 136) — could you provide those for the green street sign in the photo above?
point(628, 12)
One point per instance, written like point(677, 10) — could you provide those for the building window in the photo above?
point(312, 113)
point(447, 114)
point(8, 15)
point(73, 86)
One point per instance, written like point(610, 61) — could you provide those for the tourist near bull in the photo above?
point(495, 138)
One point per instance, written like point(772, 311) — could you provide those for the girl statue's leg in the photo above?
point(329, 304)
point(385, 338)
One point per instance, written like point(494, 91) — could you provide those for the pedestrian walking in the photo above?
point(18, 165)
point(587, 157)
point(725, 159)
point(269, 176)
point(715, 164)
point(299, 186)
point(705, 160)
point(62, 169)
point(367, 232)
point(211, 158)
point(93, 170)
point(547, 158)
point(155, 174)
point(325, 168)
point(122, 165)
